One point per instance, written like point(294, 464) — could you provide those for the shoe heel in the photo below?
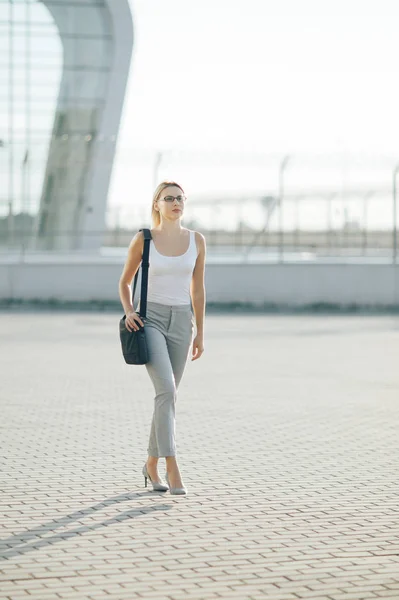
point(157, 487)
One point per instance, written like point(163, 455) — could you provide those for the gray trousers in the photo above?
point(169, 334)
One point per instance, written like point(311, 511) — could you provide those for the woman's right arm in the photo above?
point(134, 257)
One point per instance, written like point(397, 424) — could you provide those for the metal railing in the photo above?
point(290, 224)
point(244, 244)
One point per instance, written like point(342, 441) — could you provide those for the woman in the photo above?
point(175, 275)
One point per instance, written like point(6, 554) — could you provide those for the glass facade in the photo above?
point(56, 58)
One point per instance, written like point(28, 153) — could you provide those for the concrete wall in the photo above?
point(293, 285)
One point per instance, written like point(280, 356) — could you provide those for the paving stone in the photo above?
point(287, 441)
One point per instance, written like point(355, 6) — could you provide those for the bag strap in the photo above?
point(144, 274)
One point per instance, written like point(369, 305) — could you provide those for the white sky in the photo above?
point(274, 76)
point(279, 75)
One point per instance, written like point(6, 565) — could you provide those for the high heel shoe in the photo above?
point(181, 491)
point(157, 487)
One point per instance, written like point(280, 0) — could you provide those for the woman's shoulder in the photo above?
point(199, 241)
point(139, 236)
point(199, 237)
point(137, 242)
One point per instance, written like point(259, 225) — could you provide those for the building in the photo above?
point(63, 70)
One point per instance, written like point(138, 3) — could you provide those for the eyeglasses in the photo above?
point(180, 198)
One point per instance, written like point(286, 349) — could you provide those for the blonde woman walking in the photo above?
point(175, 300)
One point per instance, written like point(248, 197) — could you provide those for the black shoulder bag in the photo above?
point(134, 343)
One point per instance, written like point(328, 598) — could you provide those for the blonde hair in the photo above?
point(155, 216)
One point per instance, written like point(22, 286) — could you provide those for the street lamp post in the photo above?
point(365, 219)
point(157, 164)
point(282, 167)
point(394, 227)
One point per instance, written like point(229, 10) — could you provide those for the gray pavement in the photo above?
point(287, 432)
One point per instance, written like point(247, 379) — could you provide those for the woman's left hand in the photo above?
point(198, 347)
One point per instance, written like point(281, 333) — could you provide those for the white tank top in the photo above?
point(169, 277)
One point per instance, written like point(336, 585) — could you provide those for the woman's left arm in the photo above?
point(197, 291)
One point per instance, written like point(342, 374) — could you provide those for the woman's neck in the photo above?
point(169, 227)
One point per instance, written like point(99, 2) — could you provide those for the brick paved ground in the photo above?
point(287, 440)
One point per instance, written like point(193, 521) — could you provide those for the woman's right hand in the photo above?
point(132, 318)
